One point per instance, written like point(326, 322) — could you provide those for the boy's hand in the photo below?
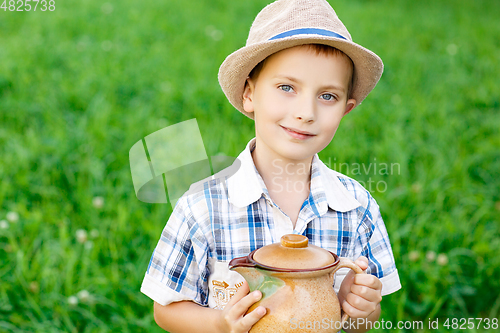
point(360, 294)
point(233, 318)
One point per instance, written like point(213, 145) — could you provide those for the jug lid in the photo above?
point(294, 252)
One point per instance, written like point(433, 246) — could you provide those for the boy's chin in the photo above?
point(298, 156)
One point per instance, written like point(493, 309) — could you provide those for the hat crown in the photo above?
point(286, 15)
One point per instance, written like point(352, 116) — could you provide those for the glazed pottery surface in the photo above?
point(296, 281)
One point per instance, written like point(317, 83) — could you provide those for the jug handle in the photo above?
point(347, 263)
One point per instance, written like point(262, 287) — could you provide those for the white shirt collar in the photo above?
point(246, 185)
point(337, 195)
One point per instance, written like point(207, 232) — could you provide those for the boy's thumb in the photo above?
point(362, 262)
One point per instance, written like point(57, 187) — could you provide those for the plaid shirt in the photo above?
point(231, 216)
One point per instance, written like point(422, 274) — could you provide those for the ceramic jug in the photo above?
point(296, 280)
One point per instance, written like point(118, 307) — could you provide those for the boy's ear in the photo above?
point(349, 105)
point(248, 95)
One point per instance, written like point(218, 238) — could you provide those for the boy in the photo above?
point(298, 75)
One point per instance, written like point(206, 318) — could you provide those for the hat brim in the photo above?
point(233, 72)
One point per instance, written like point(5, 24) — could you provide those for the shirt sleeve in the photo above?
point(373, 243)
point(178, 269)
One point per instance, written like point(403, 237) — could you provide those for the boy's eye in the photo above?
point(328, 97)
point(286, 88)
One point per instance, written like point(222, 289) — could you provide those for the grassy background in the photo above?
point(81, 84)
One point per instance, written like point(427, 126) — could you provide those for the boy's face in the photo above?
point(298, 100)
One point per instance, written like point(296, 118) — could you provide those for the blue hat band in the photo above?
point(307, 31)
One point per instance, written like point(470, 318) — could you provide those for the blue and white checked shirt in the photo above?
point(232, 216)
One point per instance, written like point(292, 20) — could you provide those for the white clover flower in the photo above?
point(81, 236)
point(452, 49)
point(107, 8)
point(106, 45)
point(34, 287)
point(416, 188)
point(442, 259)
point(4, 224)
point(12, 217)
point(89, 245)
point(72, 300)
point(396, 99)
point(217, 35)
point(430, 255)
point(83, 295)
point(98, 202)
point(414, 255)
point(166, 87)
point(94, 233)
point(81, 46)
point(214, 33)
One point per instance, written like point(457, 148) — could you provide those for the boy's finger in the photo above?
point(358, 307)
point(241, 307)
point(362, 262)
point(368, 281)
point(242, 291)
point(250, 319)
point(367, 293)
point(351, 310)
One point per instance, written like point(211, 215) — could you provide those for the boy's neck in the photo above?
point(287, 181)
point(278, 169)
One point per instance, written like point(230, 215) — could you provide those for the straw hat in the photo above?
point(287, 23)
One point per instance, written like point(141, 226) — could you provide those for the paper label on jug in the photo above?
point(222, 284)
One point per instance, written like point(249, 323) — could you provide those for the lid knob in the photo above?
point(294, 241)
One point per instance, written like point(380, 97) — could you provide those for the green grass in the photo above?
point(78, 87)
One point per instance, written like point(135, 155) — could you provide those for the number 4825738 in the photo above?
point(28, 5)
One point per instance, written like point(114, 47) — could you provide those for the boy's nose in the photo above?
point(306, 111)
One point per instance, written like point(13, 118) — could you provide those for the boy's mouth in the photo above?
point(298, 134)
